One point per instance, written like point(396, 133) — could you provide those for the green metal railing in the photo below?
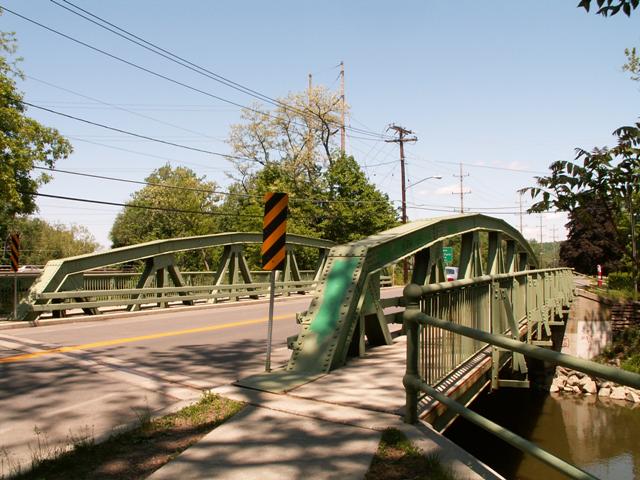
point(527, 300)
point(510, 306)
point(160, 271)
point(162, 296)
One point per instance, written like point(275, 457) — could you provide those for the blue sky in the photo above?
point(494, 85)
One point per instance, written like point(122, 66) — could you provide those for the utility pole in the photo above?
point(554, 250)
point(342, 111)
point(540, 240)
point(310, 132)
point(520, 211)
point(402, 138)
point(462, 192)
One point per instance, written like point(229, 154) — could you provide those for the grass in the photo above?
point(134, 454)
point(615, 295)
point(397, 458)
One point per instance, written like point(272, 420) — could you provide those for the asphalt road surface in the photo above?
point(85, 379)
point(71, 380)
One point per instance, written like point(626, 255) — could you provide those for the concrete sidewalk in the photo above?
point(326, 429)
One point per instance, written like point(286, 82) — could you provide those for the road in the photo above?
point(88, 378)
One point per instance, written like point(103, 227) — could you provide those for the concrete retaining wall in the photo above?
point(589, 327)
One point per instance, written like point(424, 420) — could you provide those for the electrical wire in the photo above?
point(137, 135)
point(143, 207)
point(147, 70)
point(152, 47)
point(144, 154)
point(141, 115)
point(203, 190)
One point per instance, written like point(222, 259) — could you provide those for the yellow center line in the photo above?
point(118, 341)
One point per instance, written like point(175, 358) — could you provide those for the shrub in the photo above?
point(620, 281)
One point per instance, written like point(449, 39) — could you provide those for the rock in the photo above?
point(618, 393)
point(559, 382)
point(563, 371)
point(589, 386)
point(604, 392)
point(576, 389)
point(573, 380)
point(554, 388)
point(567, 388)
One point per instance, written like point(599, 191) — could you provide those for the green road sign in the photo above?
point(447, 254)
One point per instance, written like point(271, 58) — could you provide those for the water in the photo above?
point(600, 436)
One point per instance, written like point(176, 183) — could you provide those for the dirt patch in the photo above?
point(138, 453)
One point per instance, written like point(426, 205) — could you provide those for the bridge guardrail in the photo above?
point(68, 300)
point(541, 302)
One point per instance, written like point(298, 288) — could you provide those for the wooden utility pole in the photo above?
point(402, 138)
point(521, 211)
point(462, 192)
point(342, 111)
point(540, 240)
point(310, 131)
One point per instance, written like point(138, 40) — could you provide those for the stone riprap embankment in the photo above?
point(571, 381)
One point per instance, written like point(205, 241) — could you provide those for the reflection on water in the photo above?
point(602, 437)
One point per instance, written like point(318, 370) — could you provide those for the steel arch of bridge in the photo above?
point(66, 274)
point(347, 307)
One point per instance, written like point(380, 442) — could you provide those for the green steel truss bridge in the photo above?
point(501, 312)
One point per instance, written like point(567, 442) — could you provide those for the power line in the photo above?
point(122, 108)
point(145, 154)
point(139, 182)
point(137, 135)
point(154, 48)
point(489, 167)
point(202, 190)
point(143, 207)
point(151, 72)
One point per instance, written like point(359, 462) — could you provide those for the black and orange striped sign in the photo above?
point(274, 231)
point(14, 251)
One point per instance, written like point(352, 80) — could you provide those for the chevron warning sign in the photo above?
point(14, 251)
point(274, 231)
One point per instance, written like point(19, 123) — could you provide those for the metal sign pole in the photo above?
point(272, 295)
point(15, 295)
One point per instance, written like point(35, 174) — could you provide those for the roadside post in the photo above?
point(273, 250)
point(14, 259)
point(599, 269)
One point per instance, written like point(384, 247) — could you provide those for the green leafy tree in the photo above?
point(355, 207)
point(608, 8)
point(24, 143)
point(591, 241)
point(41, 241)
point(605, 182)
point(341, 205)
point(188, 204)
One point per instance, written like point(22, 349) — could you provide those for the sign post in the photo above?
point(14, 259)
point(274, 252)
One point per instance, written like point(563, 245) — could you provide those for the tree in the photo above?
point(341, 205)
point(590, 241)
point(605, 183)
point(611, 7)
point(355, 208)
point(299, 133)
point(24, 143)
point(189, 208)
point(41, 241)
